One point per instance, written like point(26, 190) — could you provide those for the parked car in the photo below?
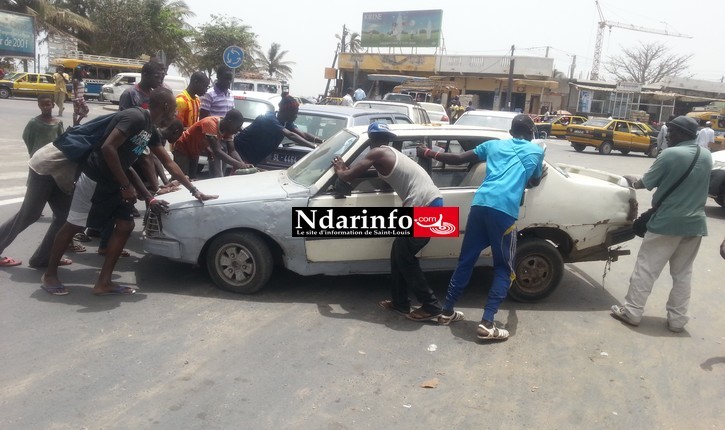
point(556, 126)
point(574, 215)
point(492, 119)
point(324, 121)
point(118, 84)
point(414, 112)
point(27, 85)
point(436, 112)
point(717, 178)
point(607, 134)
point(400, 98)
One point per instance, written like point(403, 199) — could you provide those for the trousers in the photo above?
point(408, 276)
point(656, 251)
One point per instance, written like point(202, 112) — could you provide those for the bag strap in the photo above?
point(682, 178)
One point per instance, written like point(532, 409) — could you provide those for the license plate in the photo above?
point(578, 131)
point(284, 158)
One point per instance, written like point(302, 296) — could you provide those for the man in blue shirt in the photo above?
point(511, 166)
point(266, 132)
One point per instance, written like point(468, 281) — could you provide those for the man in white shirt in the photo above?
point(347, 98)
point(706, 136)
point(359, 94)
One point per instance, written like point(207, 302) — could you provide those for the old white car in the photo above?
point(575, 214)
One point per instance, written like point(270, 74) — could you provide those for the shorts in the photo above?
point(95, 204)
point(80, 107)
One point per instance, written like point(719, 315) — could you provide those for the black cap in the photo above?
point(522, 122)
point(685, 124)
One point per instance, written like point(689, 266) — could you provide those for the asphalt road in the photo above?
point(317, 353)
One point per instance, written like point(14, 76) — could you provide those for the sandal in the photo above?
point(9, 262)
point(124, 253)
point(422, 315)
point(388, 304)
point(492, 333)
point(76, 247)
point(59, 290)
point(448, 319)
point(81, 237)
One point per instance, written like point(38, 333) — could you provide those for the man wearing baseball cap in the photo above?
point(511, 165)
point(675, 230)
point(416, 188)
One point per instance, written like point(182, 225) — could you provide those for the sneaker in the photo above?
point(674, 329)
point(448, 319)
point(619, 313)
point(492, 333)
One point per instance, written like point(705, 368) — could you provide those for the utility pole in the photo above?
point(340, 49)
point(511, 81)
point(573, 66)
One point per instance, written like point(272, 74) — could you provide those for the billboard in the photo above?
point(17, 35)
point(413, 28)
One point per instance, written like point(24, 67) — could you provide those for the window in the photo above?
point(577, 120)
point(622, 127)
point(447, 175)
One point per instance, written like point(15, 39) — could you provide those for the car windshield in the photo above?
point(311, 168)
point(383, 106)
point(597, 122)
point(251, 109)
point(319, 125)
point(488, 121)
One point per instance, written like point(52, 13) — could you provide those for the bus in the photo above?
point(715, 113)
point(99, 69)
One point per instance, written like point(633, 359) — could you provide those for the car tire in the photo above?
point(5, 92)
point(539, 268)
point(606, 148)
point(624, 151)
point(240, 262)
point(543, 134)
point(578, 147)
point(653, 151)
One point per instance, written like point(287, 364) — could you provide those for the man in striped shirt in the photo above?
point(188, 102)
point(218, 100)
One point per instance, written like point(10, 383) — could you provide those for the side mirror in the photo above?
point(341, 189)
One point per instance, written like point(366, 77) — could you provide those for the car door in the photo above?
point(44, 85)
point(640, 138)
point(622, 137)
point(24, 86)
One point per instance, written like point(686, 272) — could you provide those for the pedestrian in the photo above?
point(43, 128)
point(59, 92)
point(80, 108)
point(188, 102)
point(50, 181)
point(470, 107)
point(218, 100)
point(266, 132)
point(152, 77)
point(662, 135)
point(208, 135)
point(104, 191)
point(347, 98)
point(359, 94)
point(675, 230)
point(706, 136)
point(511, 165)
point(416, 188)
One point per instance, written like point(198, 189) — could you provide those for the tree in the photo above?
point(50, 16)
point(647, 63)
point(353, 44)
point(273, 62)
point(213, 38)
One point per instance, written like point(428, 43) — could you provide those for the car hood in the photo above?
point(258, 186)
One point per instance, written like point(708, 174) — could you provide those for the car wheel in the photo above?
point(653, 151)
point(543, 134)
point(606, 148)
point(538, 267)
point(5, 92)
point(239, 262)
point(624, 151)
point(578, 147)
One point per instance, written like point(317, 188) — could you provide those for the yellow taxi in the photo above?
point(608, 134)
point(556, 126)
point(27, 85)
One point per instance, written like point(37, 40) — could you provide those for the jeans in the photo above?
point(485, 227)
point(407, 275)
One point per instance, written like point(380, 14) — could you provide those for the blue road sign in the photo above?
point(233, 57)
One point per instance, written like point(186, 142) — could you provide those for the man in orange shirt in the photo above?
point(207, 135)
point(188, 102)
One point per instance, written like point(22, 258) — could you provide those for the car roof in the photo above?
point(439, 131)
point(384, 102)
point(433, 106)
point(344, 110)
point(498, 113)
point(256, 95)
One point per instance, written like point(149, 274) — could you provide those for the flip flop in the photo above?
point(421, 315)
point(9, 262)
point(388, 304)
point(118, 290)
point(59, 290)
point(82, 237)
point(76, 247)
point(65, 262)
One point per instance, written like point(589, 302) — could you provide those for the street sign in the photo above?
point(233, 57)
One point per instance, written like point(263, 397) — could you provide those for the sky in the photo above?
point(307, 28)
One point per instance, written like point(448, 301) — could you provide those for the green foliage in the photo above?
point(51, 16)
point(273, 63)
point(214, 37)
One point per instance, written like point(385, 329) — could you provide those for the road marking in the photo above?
point(11, 201)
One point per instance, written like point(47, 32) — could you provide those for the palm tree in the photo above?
point(352, 44)
point(169, 29)
point(273, 62)
point(50, 17)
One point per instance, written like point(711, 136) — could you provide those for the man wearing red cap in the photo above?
point(266, 132)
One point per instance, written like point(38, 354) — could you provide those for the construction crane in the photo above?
point(600, 37)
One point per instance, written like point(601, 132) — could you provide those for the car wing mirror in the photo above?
point(341, 189)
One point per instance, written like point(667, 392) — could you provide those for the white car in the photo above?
point(414, 112)
point(575, 214)
point(117, 85)
point(493, 119)
point(717, 178)
point(436, 113)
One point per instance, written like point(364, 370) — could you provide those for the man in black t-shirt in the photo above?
point(104, 190)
